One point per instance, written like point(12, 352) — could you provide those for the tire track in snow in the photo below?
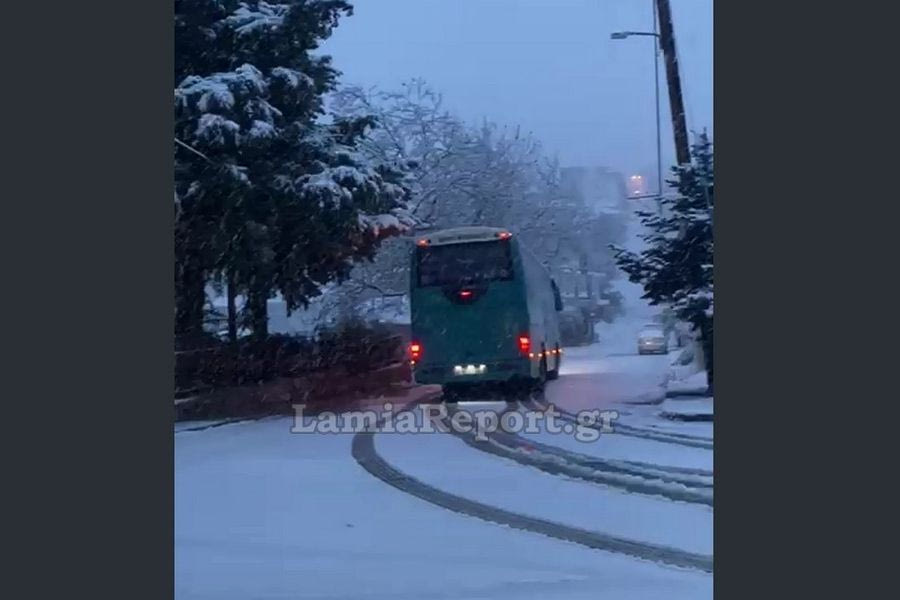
point(680, 439)
point(363, 450)
point(659, 436)
point(695, 487)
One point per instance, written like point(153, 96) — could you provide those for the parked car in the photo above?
point(652, 340)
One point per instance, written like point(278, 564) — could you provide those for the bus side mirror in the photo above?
point(557, 299)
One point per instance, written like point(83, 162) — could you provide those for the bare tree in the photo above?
point(468, 175)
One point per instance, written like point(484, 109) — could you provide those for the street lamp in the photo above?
point(621, 35)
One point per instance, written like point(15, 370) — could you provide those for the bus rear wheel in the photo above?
point(554, 374)
point(543, 375)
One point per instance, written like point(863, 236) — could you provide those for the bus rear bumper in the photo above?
point(496, 371)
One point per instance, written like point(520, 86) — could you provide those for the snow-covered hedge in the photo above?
point(354, 347)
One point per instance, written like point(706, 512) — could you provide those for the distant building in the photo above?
point(599, 188)
point(580, 267)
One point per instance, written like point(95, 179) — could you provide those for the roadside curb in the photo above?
point(690, 393)
point(688, 408)
point(688, 417)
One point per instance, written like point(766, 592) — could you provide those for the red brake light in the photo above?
point(504, 235)
point(465, 294)
point(415, 351)
point(422, 242)
point(524, 344)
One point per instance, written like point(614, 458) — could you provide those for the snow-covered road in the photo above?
point(265, 513)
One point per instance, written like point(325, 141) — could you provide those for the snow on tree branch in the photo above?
point(248, 19)
point(217, 92)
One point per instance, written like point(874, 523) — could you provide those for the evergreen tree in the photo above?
point(676, 268)
point(271, 196)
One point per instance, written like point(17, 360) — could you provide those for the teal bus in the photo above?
point(483, 311)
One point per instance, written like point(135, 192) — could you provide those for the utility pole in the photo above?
point(676, 104)
point(659, 177)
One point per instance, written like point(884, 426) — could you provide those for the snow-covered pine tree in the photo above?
point(270, 195)
point(676, 268)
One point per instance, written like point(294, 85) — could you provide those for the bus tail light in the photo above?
point(524, 344)
point(415, 351)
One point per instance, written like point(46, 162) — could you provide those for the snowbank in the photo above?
point(700, 409)
point(689, 385)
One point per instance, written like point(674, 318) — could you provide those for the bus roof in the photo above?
point(461, 235)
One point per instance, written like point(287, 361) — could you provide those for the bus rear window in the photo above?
point(464, 264)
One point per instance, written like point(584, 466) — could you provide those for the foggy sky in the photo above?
point(547, 65)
